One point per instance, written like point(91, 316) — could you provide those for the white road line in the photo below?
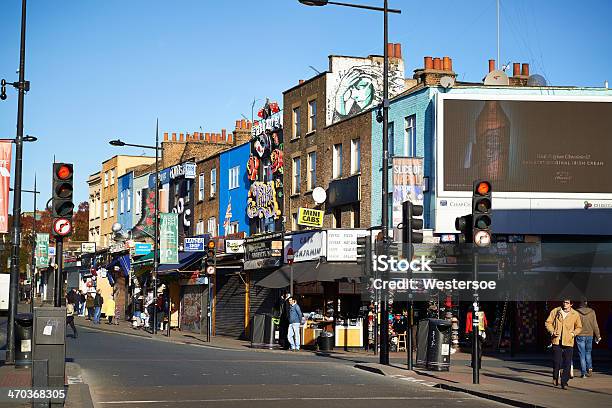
point(75, 380)
point(283, 399)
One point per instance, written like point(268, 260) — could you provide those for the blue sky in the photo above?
point(102, 69)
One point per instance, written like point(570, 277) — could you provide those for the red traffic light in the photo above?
point(483, 188)
point(64, 172)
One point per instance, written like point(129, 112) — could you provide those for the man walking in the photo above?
point(70, 310)
point(564, 325)
point(98, 302)
point(584, 340)
point(295, 319)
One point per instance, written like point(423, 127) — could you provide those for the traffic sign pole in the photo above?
point(290, 262)
point(59, 271)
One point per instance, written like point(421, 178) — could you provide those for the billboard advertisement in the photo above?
point(408, 184)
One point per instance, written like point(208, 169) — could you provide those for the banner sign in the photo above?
point(168, 238)
point(142, 248)
point(308, 246)
point(310, 218)
point(5, 183)
point(88, 247)
point(234, 246)
point(42, 250)
point(408, 184)
point(342, 244)
point(195, 244)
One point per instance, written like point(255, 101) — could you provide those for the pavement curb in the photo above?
point(79, 394)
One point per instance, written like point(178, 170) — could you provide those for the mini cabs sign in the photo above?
point(310, 218)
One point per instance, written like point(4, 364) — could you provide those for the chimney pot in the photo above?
point(238, 124)
point(390, 50)
point(491, 65)
point(250, 124)
point(230, 138)
point(398, 50)
point(243, 124)
point(181, 136)
point(516, 69)
point(165, 136)
point(428, 61)
point(223, 132)
point(174, 137)
point(446, 65)
point(525, 70)
point(207, 137)
point(450, 61)
point(437, 63)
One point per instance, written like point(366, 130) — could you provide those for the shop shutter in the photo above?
point(229, 312)
point(262, 299)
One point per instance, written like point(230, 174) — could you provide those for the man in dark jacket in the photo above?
point(98, 302)
point(295, 319)
point(584, 340)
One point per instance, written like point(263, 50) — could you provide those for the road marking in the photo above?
point(283, 399)
point(75, 380)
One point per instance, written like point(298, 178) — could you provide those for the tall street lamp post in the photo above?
point(384, 329)
point(156, 214)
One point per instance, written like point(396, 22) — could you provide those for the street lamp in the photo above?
point(384, 330)
point(22, 86)
point(120, 143)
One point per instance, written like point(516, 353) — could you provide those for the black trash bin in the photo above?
point(325, 341)
point(23, 339)
point(433, 344)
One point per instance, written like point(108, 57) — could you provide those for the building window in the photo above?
point(112, 176)
point(312, 115)
point(234, 177)
point(355, 156)
point(296, 172)
point(106, 179)
point(212, 226)
point(128, 196)
point(121, 202)
point(294, 222)
point(98, 206)
point(112, 208)
point(232, 228)
point(201, 187)
point(296, 123)
point(200, 227)
point(409, 135)
point(337, 161)
point(138, 202)
point(213, 183)
point(390, 142)
point(105, 210)
point(312, 170)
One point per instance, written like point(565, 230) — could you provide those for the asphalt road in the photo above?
point(127, 371)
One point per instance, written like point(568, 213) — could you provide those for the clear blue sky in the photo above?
point(102, 69)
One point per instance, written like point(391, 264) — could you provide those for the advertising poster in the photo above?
point(168, 238)
point(5, 183)
point(42, 250)
point(407, 185)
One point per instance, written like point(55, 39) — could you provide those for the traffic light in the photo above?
point(62, 205)
point(410, 224)
point(364, 252)
point(481, 213)
point(464, 225)
point(211, 252)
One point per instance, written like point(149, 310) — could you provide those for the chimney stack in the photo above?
point(301, 81)
point(491, 65)
point(165, 136)
point(516, 69)
point(525, 70)
point(398, 50)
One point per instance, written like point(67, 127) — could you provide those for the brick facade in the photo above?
point(206, 206)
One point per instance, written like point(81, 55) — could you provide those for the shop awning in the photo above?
point(123, 261)
point(188, 261)
point(311, 272)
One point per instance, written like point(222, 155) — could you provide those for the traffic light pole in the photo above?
point(409, 257)
point(59, 272)
point(475, 325)
point(16, 238)
point(156, 235)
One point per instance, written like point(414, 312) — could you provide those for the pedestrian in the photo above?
point(564, 325)
point(70, 318)
point(110, 310)
point(481, 335)
point(159, 305)
point(81, 303)
point(150, 308)
point(584, 340)
point(98, 302)
point(89, 304)
point(295, 319)
point(136, 319)
point(283, 326)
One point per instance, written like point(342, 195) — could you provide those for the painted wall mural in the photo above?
point(356, 84)
point(262, 202)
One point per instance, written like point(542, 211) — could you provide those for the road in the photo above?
point(128, 371)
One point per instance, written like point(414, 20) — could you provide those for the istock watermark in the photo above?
point(431, 284)
point(384, 263)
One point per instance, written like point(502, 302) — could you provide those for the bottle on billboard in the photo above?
point(492, 142)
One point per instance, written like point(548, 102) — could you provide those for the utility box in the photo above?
point(49, 343)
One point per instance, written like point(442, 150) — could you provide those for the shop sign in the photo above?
point(234, 246)
point(88, 247)
point(195, 244)
point(308, 246)
point(310, 218)
point(42, 250)
point(262, 201)
point(342, 244)
point(168, 238)
point(265, 251)
point(117, 247)
point(51, 251)
point(186, 170)
point(142, 248)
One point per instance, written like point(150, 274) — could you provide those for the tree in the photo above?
point(80, 223)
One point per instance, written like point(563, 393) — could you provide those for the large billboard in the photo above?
point(547, 157)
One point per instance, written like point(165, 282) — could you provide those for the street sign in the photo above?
point(88, 247)
point(210, 270)
point(290, 255)
point(310, 218)
point(51, 251)
point(142, 248)
point(62, 227)
point(42, 250)
point(195, 244)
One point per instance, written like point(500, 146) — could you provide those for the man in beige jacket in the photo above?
point(564, 325)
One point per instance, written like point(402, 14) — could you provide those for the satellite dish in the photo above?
point(497, 77)
point(447, 82)
point(536, 80)
point(319, 195)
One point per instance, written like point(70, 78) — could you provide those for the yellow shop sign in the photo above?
point(310, 218)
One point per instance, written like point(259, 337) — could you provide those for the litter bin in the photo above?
point(433, 344)
point(23, 339)
point(326, 341)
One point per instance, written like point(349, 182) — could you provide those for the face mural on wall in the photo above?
point(356, 84)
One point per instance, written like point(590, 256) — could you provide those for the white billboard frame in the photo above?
point(439, 144)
